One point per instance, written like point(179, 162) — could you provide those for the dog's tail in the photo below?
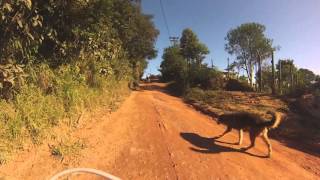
point(274, 122)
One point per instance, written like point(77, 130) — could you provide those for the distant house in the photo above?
point(229, 75)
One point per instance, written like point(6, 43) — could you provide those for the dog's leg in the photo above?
point(240, 137)
point(267, 141)
point(224, 133)
point(253, 134)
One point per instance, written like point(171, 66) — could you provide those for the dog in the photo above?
point(254, 123)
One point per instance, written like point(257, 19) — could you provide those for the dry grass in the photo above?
point(67, 150)
point(237, 101)
point(294, 125)
point(50, 99)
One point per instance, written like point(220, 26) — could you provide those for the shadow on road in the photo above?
point(160, 87)
point(208, 145)
point(152, 87)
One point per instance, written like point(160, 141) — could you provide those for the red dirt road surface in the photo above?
point(157, 136)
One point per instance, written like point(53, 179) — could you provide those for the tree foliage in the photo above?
point(250, 46)
point(183, 63)
point(191, 48)
point(305, 77)
point(173, 66)
point(113, 33)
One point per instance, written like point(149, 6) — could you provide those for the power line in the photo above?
point(164, 17)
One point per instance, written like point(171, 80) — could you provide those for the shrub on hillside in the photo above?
point(33, 111)
point(214, 82)
point(176, 89)
point(195, 94)
point(236, 85)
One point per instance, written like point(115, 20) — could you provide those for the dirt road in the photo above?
point(157, 136)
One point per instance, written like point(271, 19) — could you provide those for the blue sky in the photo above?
point(294, 25)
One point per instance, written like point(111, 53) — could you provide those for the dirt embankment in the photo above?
point(157, 136)
point(299, 127)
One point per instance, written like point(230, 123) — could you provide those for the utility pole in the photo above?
point(174, 40)
point(291, 76)
point(273, 75)
point(280, 79)
point(297, 78)
point(212, 66)
point(228, 68)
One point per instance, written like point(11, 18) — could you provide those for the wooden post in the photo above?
point(291, 76)
point(273, 75)
point(280, 79)
point(212, 66)
point(228, 76)
point(297, 78)
point(260, 73)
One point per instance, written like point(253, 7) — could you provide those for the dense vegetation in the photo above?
point(59, 57)
point(183, 64)
point(253, 69)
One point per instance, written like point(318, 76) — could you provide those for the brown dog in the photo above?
point(254, 123)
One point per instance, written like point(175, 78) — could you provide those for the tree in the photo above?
point(136, 31)
point(305, 77)
point(191, 48)
point(286, 69)
point(173, 67)
point(250, 46)
point(267, 77)
point(183, 63)
point(20, 30)
point(193, 52)
point(114, 34)
point(59, 32)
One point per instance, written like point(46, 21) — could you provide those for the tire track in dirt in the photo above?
point(163, 128)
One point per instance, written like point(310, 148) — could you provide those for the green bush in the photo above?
point(208, 78)
point(236, 85)
point(53, 68)
point(50, 96)
point(195, 94)
point(37, 111)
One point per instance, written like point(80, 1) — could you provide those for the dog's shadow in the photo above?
point(208, 145)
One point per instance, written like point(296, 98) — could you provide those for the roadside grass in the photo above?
point(67, 150)
point(51, 98)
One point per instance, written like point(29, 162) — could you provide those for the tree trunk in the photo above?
point(260, 73)
point(291, 76)
point(280, 79)
point(273, 76)
point(251, 74)
point(227, 68)
point(297, 78)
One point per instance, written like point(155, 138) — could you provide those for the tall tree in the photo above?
point(173, 67)
point(250, 46)
point(305, 77)
point(191, 48)
point(286, 69)
point(193, 52)
point(266, 77)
